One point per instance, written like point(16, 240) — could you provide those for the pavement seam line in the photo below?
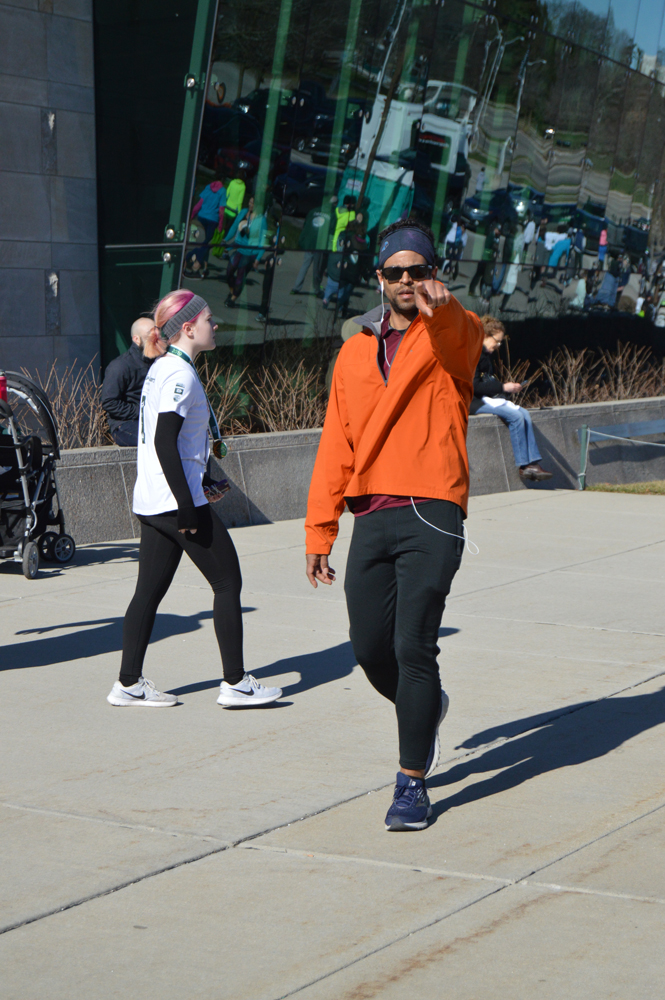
point(531, 621)
point(596, 840)
point(374, 862)
point(319, 812)
point(107, 892)
point(113, 822)
point(473, 902)
point(390, 944)
point(447, 873)
point(558, 569)
point(593, 892)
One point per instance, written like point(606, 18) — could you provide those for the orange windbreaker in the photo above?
point(406, 437)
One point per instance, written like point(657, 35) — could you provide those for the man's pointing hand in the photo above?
point(430, 295)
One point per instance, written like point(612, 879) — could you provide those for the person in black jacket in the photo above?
point(488, 397)
point(123, 382)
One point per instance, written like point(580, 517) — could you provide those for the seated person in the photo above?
point(123, 382)
point(488, 398)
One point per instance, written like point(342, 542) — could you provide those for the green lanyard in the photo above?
point(219, 449)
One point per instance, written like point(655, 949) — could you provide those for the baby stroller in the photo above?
point(29, 502)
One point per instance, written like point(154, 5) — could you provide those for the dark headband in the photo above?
point(407, 239)
point(189, 311)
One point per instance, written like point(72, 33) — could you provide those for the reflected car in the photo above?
point(228, 161)
point(301, 188)
point(478, 213)
point(320, 143)
point(527, 202)
point(297, 112)
point(228, 130)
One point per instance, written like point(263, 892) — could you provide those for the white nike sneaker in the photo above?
point(247, 694)
point(142, 693)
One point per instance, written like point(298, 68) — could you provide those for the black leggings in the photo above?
point(398, 576)
point(213, 552)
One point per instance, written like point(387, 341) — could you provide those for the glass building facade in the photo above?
point(255, 133)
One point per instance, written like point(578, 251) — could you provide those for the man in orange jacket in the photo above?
point(393, 449)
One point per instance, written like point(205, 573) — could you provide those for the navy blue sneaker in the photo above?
point(435, 746)
point(411, 807)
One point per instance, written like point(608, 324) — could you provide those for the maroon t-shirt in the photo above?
point(390, 340)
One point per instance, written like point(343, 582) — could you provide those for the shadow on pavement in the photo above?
point(93, 555)
point(580, 733)
point(315, 669)
point(106, 637)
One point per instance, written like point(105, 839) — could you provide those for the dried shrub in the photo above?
point(225, 388)
point(288, 399)
point(572, 377)
point(75, 395)
point(629, 372)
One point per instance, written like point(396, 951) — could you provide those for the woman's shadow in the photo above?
point(550, 741)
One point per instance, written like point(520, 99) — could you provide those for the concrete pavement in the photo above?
point(201, 853)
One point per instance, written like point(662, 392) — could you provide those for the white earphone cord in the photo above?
point(465, 536)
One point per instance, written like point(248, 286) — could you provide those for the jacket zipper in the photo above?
point(390, 366)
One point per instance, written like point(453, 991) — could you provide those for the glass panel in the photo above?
point(647, 185)
point(131, 281)
point(603, 139)
point(647, 34)
point(583, 22)
point(630, 142)
point(147, 119)
point(139, 111)
point(621, 30)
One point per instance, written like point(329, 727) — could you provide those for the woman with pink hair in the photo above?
point(171, 504)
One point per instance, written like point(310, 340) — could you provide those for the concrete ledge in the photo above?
point(492, 464)
point(270, 473)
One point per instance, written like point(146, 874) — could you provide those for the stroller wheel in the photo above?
point(30, 561)
point(64, 548)
point(46, 543)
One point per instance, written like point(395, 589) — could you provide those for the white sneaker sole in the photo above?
point(139, 703)
point(399, 825)
point(445, 704)
point(247, 702)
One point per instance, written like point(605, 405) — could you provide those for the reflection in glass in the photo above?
point(516, 143)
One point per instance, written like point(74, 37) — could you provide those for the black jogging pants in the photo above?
point(398, 577)
point(161, 549)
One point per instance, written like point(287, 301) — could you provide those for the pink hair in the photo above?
point(172, 303)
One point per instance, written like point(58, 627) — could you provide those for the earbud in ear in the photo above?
point(381, 286)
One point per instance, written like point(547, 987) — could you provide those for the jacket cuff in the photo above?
point(315, 544)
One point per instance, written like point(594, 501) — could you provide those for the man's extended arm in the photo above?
point(456, 334)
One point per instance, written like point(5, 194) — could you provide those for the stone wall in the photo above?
point(270, 473)
point(48, 214)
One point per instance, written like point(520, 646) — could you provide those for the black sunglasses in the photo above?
point(417, 271)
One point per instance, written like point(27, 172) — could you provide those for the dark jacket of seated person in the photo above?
point(485, 383)
point(121, 394)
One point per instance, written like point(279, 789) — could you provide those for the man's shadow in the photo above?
point(576, 735)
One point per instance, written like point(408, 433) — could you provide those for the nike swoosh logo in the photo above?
point(138, 697)
point(249, 693)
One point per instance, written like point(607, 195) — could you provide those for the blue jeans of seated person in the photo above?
point(520, 426)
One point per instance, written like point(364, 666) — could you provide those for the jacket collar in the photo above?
point(371, 320)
